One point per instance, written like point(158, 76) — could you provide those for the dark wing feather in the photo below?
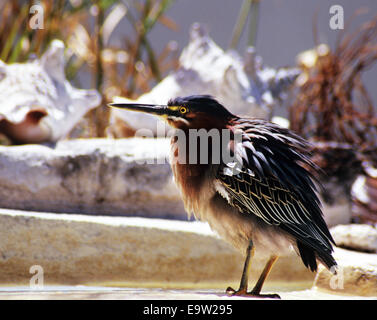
point(271, 182)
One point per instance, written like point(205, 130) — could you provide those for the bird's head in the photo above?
point(192, 112)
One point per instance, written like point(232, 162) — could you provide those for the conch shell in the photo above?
point(37, 103)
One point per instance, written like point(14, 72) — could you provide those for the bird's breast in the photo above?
point(194, 180)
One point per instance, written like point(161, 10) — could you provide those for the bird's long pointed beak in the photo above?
point(158, 110)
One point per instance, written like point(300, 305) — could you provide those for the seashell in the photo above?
point(37, 103)
point(268, 86)
point(204, 68)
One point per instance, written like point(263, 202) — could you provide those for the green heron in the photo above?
point(268, 204)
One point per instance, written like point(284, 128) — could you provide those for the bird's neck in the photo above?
point(193, 166)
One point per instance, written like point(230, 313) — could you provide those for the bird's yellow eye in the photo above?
point(183, 110)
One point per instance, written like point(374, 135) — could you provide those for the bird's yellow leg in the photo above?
point(258, 286)
point(242, 291)
point(245, 273)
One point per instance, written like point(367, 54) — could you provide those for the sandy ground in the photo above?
point(106, 293)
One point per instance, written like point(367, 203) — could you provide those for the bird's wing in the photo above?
point(268, 179)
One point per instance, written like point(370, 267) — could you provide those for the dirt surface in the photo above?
point(105, 293)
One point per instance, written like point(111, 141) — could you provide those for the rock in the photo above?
point(94, 176)
point(244, 87)
point(338, 212)
point(357, 274)
point(364, 196)
point(340, 164)
point(144, 295)
point(37, 103)
point(283, 122)
point(126, 251)
point(361, 237)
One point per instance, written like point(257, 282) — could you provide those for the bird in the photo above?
point(261, 197)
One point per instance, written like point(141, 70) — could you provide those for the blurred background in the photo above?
point(124, 47)
point(284, 27)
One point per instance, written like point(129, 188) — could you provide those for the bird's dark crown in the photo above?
point(201, 104)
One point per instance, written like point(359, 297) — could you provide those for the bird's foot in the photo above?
point(243, 293)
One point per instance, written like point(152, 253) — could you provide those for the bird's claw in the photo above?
point(243, 293)
point(231, 292)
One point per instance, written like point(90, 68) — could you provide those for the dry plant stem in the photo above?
point(333, 104)
point(101, 115)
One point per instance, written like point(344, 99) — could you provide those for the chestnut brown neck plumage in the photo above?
point(192, 173)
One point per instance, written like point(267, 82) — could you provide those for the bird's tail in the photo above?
point(309, 257)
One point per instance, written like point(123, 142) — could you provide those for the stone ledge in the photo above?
point(359, 237)
point(91, 176)
point(128, 177)
point(145, 294)
point(141, 252)
point(357, 274)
